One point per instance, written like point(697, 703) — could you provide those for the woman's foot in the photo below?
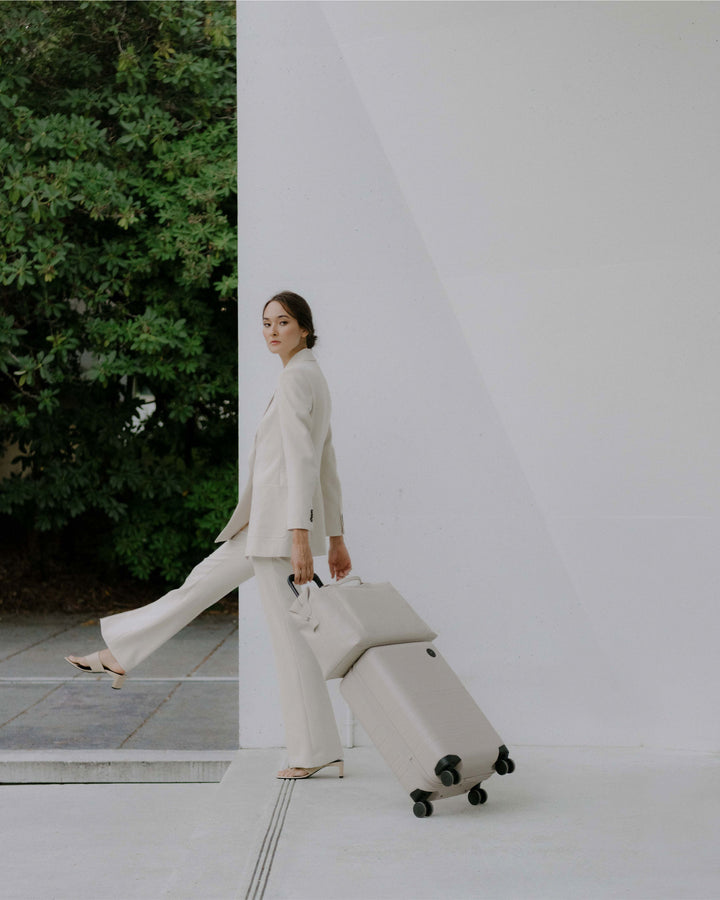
point(99, 662)
point(295, 772)
point(303, 772)
point(105, 657)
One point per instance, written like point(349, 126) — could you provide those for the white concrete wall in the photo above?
point(506, 219)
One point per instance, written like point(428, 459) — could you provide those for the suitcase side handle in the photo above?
point(291, 582)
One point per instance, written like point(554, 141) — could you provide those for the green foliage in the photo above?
point(118, 273)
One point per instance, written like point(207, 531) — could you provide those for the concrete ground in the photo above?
point(569, 823)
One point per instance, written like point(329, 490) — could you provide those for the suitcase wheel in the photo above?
point(446, 770)
point(423, 809)
point(450, 777)
point(503, 766)
point(477, 795)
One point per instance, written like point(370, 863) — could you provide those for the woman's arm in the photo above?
point(338, 557)
point(330, 486)
point(301, 557)
point(294, 407)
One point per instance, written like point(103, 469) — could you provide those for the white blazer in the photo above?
point(293, 479)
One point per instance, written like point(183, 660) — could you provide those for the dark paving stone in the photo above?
point(91, 715)
point(200, 716)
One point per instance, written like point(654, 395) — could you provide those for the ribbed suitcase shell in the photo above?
point(416, 711)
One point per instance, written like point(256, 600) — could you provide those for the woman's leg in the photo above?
point(310, 731)
point(133, 635)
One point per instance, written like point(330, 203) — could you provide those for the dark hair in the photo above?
point(299, 309)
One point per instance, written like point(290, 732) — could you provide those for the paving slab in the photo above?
point(18, 698)
point(88, 714)
point(37, 650)
point(193, 717)
point(17, 634)
point(224, 659)
point(113, 841)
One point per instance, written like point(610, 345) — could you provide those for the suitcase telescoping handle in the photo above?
point(291, 582)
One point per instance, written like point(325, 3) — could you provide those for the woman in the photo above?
point(292, 500)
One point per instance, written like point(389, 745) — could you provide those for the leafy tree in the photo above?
point(118, 275)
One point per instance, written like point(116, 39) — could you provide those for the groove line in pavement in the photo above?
point(266, 854)
point(271, 859)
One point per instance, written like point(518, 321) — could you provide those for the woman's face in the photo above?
point(283, 334)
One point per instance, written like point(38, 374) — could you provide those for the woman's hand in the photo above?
point(338, 558)
point(301, 556)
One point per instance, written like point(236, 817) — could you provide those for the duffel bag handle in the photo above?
point(291, 582)
point(348, 578)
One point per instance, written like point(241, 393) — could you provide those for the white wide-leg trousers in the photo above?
point(310, 729)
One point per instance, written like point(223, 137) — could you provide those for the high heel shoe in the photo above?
point(309, 772)
point(96, 665)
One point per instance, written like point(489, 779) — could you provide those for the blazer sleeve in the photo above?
point(295, 402)
point(331, 491)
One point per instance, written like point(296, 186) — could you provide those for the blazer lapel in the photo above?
point(303, 354)
point(268, 406)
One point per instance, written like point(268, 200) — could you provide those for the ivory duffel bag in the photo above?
point(340, 621)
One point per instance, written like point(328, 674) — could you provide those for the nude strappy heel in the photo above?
point(309, 772)
point(98, 667)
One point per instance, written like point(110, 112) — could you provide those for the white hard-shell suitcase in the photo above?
point(424, 723)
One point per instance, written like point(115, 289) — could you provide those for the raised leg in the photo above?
point(133, 635)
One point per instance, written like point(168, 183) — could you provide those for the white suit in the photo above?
point(293, 483)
